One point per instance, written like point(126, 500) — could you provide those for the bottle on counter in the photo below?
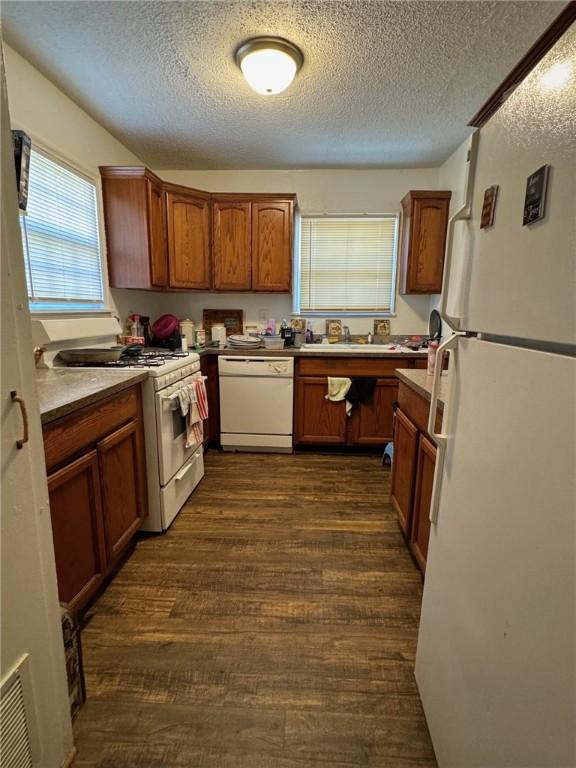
point(309, 338)
point(432, 351)
point(200, 337)
point(187, 329)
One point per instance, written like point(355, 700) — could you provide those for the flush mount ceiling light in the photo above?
point(269, 64)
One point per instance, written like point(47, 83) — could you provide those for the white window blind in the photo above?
point(60, 239)
point(347, 264)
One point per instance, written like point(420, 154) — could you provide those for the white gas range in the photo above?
point(173, 471)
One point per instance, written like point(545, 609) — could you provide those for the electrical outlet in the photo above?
point(263, 315)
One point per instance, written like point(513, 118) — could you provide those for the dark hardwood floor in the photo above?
point(273, 626)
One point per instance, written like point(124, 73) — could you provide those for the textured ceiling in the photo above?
point(384, 84)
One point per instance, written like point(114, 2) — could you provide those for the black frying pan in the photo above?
point(435, 326)
point(98, 354)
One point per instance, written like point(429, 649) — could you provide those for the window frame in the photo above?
point(76, 168)
point(296, 310)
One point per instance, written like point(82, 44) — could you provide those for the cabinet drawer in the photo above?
point(85, 427)
point(417, 408)
point(346, 366)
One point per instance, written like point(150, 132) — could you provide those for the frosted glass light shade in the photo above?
point(269, 64)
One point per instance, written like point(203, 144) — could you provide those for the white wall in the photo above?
point(452, 175)
point(319, 191)
point(56, 122)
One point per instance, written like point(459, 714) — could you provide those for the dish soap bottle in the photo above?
point(432, 350)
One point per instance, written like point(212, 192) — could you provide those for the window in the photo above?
point(60, 239)
point(347, 264)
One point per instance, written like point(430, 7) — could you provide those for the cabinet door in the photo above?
point(428, 240)
point(422, 498)
point(232, 245)
point(371, 423)
point(77, 530)
point(272, 246)
point(125, 200)
point(157, 235)
point(404, 469)
point(188, 241)
point(318, 420)
point(123, 491)
point(209, 367)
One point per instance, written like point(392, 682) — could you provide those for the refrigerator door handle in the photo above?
point(440, 438)
point(463, 213)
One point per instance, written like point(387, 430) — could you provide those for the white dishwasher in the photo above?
point(256, 403)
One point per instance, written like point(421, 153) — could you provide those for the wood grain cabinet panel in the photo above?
point(121, 457)
point(157, 235)
point(424, 226)
point(188, 216)
point(420, 534)
point(209, 367)
point(167, 236)
point(134, 222)
point(318, 420)
point(272, 246)
point(97, 486)
point(232, 245)
point(371, 423)
point(404, 469)
point(77, 529)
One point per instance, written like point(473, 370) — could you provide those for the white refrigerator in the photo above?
point(496, 659)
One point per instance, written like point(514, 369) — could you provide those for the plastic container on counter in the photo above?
point(273, 342)
point(219, 333)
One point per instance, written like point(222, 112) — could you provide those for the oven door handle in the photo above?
point(174, 395)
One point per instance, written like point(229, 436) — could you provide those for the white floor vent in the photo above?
point(16, 731)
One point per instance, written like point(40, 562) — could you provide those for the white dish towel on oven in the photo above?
point(194, 433)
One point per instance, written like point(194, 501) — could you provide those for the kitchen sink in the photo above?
point(355, 348)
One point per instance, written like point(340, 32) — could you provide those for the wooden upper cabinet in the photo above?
point(272, 225)
point(166, 236)
point(424, 225)
point(232, 244)
point(188, 216)
point(134, 221)
point(157, 235)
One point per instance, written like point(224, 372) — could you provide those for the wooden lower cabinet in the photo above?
point(420, 533)
point(404, 469)
point(123, 486)
point(77, 529)
point(97, 489)
point(209, 367)
point(413, 470)
point(371, 423)
point(318, 420)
